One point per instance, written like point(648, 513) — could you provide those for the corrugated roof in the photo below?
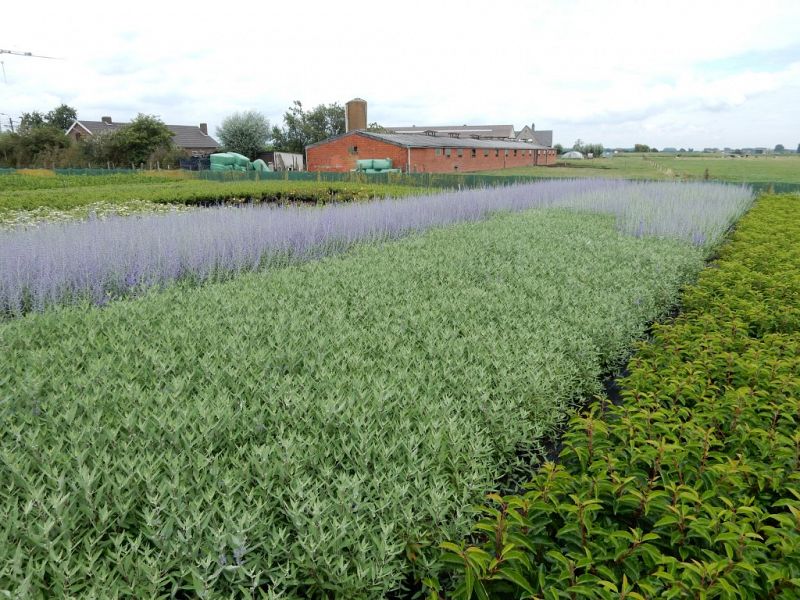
point(185, 136)
point(415, 140)
point(495, 131)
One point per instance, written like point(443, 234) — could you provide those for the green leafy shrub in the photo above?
point(691, 487)
point(199, 192)
point(306, 432)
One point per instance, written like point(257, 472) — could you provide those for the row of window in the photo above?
point(460, 152)
point(474, 152)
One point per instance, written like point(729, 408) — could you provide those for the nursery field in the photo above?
point(318, 426)
point(97, 261)
point(669, 167)
point(690, 487)
point(194, 192)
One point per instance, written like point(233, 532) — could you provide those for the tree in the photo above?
point(61, 117)
point(798, 148)
point(779, 148)
point(641, 148)
point(559, 149)
point(301, 128)
point(594, 149)
point(30, 121)
point(246, 132)
point(136, 141)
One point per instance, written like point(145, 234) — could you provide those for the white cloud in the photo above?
point(604, 71)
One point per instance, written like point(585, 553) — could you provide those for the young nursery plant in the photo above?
point(691, 487)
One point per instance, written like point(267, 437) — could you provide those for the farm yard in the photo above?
point(292, 389)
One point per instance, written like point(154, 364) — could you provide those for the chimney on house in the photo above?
point(533, 126)
point(204, 128)
point(106, 120)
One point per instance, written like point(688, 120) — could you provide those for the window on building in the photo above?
point(460, 152)
point(447, 152)
point(496, 152)
point(515, 152)
point(438, 152)
point(506, 151)
point(474, 153)
point(485, 152)
point(353, 150)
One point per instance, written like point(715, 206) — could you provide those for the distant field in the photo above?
point(766, 169)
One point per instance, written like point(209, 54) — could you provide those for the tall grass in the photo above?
point(101, 260)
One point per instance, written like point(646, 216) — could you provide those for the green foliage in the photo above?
point(691, 487)
point(27, 148)
point(61, 117)
point(200, 192)
point(247, 133)
point(135, 142)
point(596, 150)
point(301, 128)
point(39, 139)
point(312, 431)
point(30, 121)
point(641, 148)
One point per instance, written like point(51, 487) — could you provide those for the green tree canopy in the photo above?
point(245, 132)
point(30, 121)
point(136, 141)
point(61, 117)
point(301, 128)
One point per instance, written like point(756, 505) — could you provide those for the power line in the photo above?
point(30, 54)
point(18, 53)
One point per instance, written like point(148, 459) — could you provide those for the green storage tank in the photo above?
point(381, 163)
point(364, 164)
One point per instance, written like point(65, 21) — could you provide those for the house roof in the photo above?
point(415, 140)
point(544, 136)
point(495, 131)
point(185, 136)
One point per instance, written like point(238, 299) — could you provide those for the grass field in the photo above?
point(762, 169)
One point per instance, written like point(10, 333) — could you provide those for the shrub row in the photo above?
point(199, 192)
point(298, 433)
point(691, 487)
point(101, 260)
point(39, 179)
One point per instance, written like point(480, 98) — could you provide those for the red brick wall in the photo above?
point(425, 160)
point(336, 156)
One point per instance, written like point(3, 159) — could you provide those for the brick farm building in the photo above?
point(425, 153)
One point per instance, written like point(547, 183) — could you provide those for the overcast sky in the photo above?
point(667, 73)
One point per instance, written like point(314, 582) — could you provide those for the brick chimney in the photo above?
point(106, 120)
point(204, 128)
